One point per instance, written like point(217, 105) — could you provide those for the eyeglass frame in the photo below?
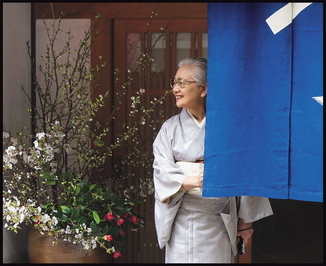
point(181, 82)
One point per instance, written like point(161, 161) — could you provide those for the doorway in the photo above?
point(147, 54)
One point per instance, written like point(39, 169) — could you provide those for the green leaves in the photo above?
point(99, 143)
point(65, 209)
point(75, 215)
point(48, 177)
point(93, 227)
point(96, 217)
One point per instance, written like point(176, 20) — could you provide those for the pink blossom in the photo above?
point(120, 221)
point(108, 237)
point(117, 254)
point(109, 216)
point(134, 219)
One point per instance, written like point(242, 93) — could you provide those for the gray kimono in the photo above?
point(193, 228)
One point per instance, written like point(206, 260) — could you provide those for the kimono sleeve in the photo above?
point(251, 208)
point(168, 177)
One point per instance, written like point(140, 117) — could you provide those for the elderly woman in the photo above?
point(195, 229)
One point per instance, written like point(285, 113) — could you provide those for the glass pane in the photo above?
point(204, 45)
point(183, 45)
point(158, 52)
point(133, 50)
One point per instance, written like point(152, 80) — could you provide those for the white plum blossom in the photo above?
point(11, 151)
point(40, 135)
point(5, 135)
point(9, 161)
point(36, 144)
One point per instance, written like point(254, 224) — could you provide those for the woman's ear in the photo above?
point(204, 92)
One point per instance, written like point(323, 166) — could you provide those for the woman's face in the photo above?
point(192, 95)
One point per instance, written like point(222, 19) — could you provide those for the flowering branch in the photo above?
point(49, 172)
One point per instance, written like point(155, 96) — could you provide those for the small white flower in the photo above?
point(11, 150)
point(5, 135)
point(40, 135)
point(36, 144)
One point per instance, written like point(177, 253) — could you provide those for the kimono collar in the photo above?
point(201, 124)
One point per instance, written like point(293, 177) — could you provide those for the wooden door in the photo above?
point(132, 38)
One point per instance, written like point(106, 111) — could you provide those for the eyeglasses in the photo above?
point(181, 82)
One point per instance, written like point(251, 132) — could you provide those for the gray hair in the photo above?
point(200, 68)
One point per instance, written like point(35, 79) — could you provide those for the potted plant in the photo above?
point(50, 185)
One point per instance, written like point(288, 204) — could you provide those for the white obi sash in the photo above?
point(192, 169)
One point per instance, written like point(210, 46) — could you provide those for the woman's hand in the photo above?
point(244, 232)
point(192, 182)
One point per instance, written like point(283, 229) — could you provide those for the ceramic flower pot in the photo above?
point(41, 250)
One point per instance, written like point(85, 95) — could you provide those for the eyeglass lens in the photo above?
point(174, 82)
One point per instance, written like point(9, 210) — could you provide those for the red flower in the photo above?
point(108, 237)
point(109, 216)
point(122, 233)
point(134, 219)
point(117, 254)
point(120, 221)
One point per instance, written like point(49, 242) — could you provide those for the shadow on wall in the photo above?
point(294, 234)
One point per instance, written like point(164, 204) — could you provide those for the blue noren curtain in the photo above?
point(264, 104)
